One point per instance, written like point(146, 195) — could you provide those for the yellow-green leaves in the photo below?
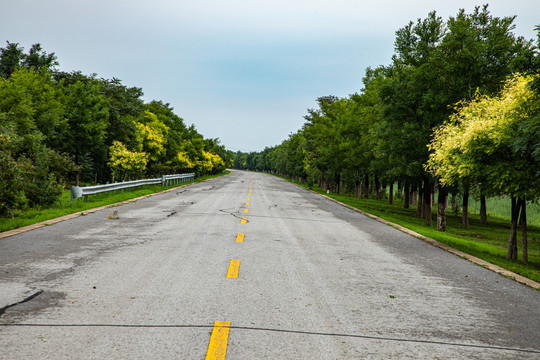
point(476, 144)
point(125, 163)
point(184, 161)
point(153, 133)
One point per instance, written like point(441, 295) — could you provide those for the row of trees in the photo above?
point(447, 115)
point(59, 128)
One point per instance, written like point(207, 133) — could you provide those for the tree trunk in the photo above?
point(465, 214)
point(454, 205)
point(420, 206)
point(441, 207)
point(399, 188)
point(523, 222)
point(406, 193)
point(391, 193)
point(366, 186)
point(77, 175)
point(483, 210)
point(511, 252)
point(357, 184)
point(377, 187)
point(427, 201)
point(414, 196)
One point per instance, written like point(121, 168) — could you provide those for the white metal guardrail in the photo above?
point(165, 180)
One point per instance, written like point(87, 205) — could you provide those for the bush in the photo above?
point(43, 193)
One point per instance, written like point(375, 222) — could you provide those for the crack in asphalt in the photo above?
point(235, 214)
point(3, 310)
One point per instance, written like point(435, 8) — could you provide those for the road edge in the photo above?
point(49, 222)
point(495, 268)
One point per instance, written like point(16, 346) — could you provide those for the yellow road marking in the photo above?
point(240, 237)
point(234, 266)
point(247, 204)
point(246, 210)
point(249, 198)
point(243, 221)
point(217, 348)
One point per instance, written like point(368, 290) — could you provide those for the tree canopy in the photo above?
point(404, 125)
point(59, 128)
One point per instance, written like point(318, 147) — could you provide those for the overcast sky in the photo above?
point(245, 71)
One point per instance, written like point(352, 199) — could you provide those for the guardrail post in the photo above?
point(76, 192)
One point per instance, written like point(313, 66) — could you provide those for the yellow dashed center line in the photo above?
point(240, 237)
point(217, 348)
point(234, 266)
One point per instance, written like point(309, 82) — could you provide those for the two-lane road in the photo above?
point(300, 278)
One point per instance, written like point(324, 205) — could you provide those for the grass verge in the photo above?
point(65, 207)
point(487, 242)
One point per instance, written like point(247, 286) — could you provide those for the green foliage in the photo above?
point(13, 57)
point(57, 128)
point(126, 164)
point(153, 134)
point(33, 102)
point(382, 134)
point(14, 171)
point(495, 140)
point(31, 123)
point(44, 192)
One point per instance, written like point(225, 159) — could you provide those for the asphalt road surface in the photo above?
point(180, 275)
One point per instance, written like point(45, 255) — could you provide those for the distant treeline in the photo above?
point(59, 128)
point(457, 110)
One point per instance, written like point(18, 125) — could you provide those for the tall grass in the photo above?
point(500, 207)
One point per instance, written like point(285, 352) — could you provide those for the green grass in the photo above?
point(487, 242)
point(501, 207)
point(64, 206)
